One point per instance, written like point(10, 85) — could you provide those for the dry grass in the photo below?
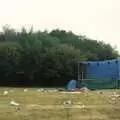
point(36, 105)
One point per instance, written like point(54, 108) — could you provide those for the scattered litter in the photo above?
point(113, 98)
point(13, 103)
point(50, 91)
point(25, 90)
point(72, 92)
point(69, 102)
point(84, 89)
point(46, 91)
point(55, 90)
point(115, 95)
point(40, 90)
point(5, 92)
point(82, 106)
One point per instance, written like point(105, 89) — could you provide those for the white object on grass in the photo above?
point(69, 102)
point(25, 90)
point(13, 103)
point(40, 90)
point(115, 95)
point(5, 92)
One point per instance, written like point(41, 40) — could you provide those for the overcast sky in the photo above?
point(97, 19)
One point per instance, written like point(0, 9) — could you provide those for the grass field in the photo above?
point(35, 105)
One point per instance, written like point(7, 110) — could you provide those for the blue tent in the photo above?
point(72, 84)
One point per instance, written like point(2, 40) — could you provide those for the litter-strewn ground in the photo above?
point(40, 104)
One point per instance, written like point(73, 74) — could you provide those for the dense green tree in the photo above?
point(46, 58)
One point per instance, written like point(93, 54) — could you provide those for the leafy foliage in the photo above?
point(46, 59)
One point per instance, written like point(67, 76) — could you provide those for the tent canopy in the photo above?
point(72, 84)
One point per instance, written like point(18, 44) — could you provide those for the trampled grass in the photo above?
point(35, 105)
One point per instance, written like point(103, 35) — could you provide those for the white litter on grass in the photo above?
point(69, 102)
point(82, 106)
point(13, 103)
point(5, 92)
point(116, 95)
point(72, 92)
point(46, 91)
point(50, 91)
point(25, 90)
point(55, 90)
point(84, 89)
point(41, 90)
point(38, 90)
point(113, 98)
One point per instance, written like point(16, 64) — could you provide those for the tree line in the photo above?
point(46, 58)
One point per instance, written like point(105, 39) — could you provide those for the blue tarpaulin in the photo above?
point(102, 74)
point(103, 70)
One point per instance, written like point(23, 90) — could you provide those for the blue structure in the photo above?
point(105, 73)
point(107, 70)
point(72, 84)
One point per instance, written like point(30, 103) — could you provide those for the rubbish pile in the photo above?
point(115, 96)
